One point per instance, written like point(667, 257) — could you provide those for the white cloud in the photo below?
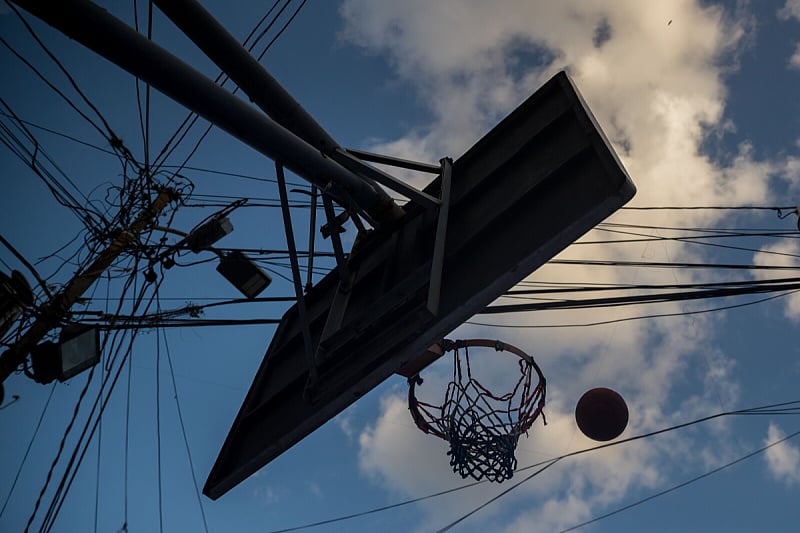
point(783, 460)
point(267, 495)
point(794, 61)
point(784, 253)
point(658, 90)
point(556, 514)
point(789, 11)
point(315, 489)
point(346, 424)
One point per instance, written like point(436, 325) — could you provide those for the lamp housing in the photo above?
point(77, 350)
point(203, 236)
point(243, 273)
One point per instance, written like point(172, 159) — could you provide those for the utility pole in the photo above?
point(53, 311)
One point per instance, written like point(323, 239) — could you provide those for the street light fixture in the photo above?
point(237, 268)
point(203, 236)
point(80, 349)
point(77, 350)
point(243, 273)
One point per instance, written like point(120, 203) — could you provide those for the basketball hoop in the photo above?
point(482, 428)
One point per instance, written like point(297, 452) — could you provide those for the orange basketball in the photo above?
point(601, 414)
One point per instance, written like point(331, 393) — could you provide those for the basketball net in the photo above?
point(483, 428)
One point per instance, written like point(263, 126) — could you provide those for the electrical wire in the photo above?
point(691, 240)
point(55, 89)
point(454, 523)
point(188, 323)
point(178, 324)
point(709, 208)
point(283, 29)
point(82, 446)
point(109, 134)
point(191, 118)
point(59, 134)
point(185, 438)
point(789, 407)
point(221, 78)
point(32, 157)
point(628, 319)
point(55, 504)
point(642, 286)
point(683, 484)
point(587, 303)
point(158, 426)
point(663, 264)
point(28, 450)
point(28, 265)
point(61, 446)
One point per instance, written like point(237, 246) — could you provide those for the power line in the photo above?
point(587, 303)
point(28, 450)
point(684, 484)
point(691, 240)
point(790, 407)
point(90, 427)
point(628, 319)
point(32, 158)
point(109, 134)
point(188, 323)
point(183, 432)
point(27, 264)
point(662, 264)
point(626, 287)
point(57, 458)
point(498, 496)
point(710, 208)
point(166, 150)
point(60, 134)
point(788, 410)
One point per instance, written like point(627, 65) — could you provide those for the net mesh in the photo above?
point(482, 428)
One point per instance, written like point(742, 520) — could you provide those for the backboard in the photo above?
point(529, 188)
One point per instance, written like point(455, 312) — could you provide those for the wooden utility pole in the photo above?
point(51, 313)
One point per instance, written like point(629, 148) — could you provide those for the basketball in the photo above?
point(601, 414)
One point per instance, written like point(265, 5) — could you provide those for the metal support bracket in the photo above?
point(437, 263)
point(312, 233)
point(297, 281)
point(359, 167)
point(336, 240)
point(333, 322)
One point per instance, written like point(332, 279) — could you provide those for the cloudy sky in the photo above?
point(698, 100)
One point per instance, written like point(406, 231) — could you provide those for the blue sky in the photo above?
point(699, 101)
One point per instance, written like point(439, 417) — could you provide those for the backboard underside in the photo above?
point(529, 188)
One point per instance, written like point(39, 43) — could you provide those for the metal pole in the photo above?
point(101, 32)
point(312, 233)
point(298, 284)
point(437, 263)
point(51, 313)
point(336, 240)
point(259, 85)
point(232, 58)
